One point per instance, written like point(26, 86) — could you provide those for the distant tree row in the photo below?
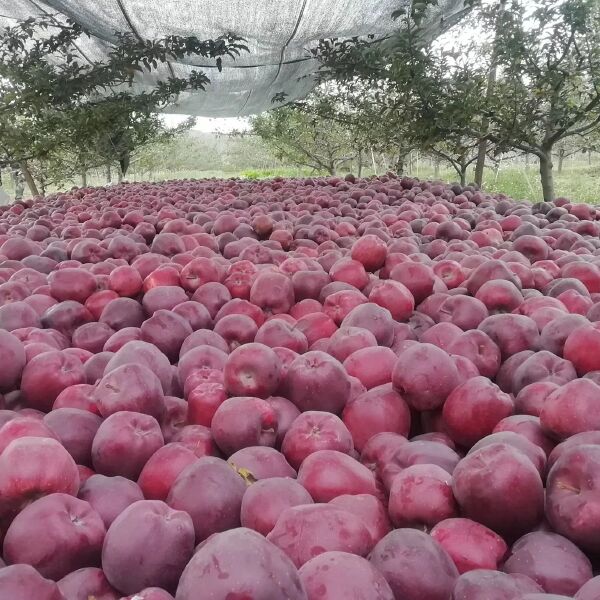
point(63, 114)
point(514, 76)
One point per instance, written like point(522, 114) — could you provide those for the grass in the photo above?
point(578, 181)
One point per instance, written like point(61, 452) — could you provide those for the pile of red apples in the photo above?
point(299, 389)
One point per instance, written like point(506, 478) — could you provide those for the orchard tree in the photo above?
point(115, 133)
point(536, 85)
point(356, 105)
point(419, 95)
point(460, 153)
point(138, 135)
point(51, 95)
point(454, 135)
point(488, 19)
point(306, 138)
point(572, 146)
point(590, 145)
point(55, 170)
point(548, 89)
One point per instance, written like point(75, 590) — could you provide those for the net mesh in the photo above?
point(279, 34)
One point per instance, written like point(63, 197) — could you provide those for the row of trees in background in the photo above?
point(198, 152)
point(514, 77)
point(62, 114)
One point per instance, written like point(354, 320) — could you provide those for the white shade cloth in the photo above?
point(279, 34)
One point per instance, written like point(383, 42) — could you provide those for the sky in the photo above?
point(209, 125)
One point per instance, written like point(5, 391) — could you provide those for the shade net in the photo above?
point(279, 34)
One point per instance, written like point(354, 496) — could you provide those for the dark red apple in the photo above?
point(551, 560)
point(31, 467)
point(473, 409)
point(329, 473)
point(109, 496)
point(124, 442)
point(424, 376)
point(88, 582)
point(499, 487)
point(265, 500)
point(163, 468)
point(242, 422)
point(471, 545)
point(23, 582)
point(252, 370)
point(378, 410)
point(148, 544)
point(308, 530)
point(407, 557)
point(316, 381)
point(47, 375)
point(343, 575)
point(248, 565)
point(312, 431)
point(572, 497)
point(211, 492)
point(56, 534)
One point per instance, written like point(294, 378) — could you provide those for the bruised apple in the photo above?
point(264, 501)
point(471, 545)
point(328, 473)
point(306, 531)
point(337, 574)
point(240, 563)
point(407, 558)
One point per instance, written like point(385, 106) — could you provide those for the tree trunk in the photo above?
point(590, 158)
point(360, 163)
point(4, 197)
point(119, 175)
point(29, 179)
point(108, 173)
point(546, 175)
point(527, 161)
point(18, 184)
point(463, 175)
point(399, 166)
point(491, 82)
point(561, 158)
point(374, 163)
point(124, 160)
point(83, 178)
point(485, 123)
point(436, 167)
point(481, 155)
